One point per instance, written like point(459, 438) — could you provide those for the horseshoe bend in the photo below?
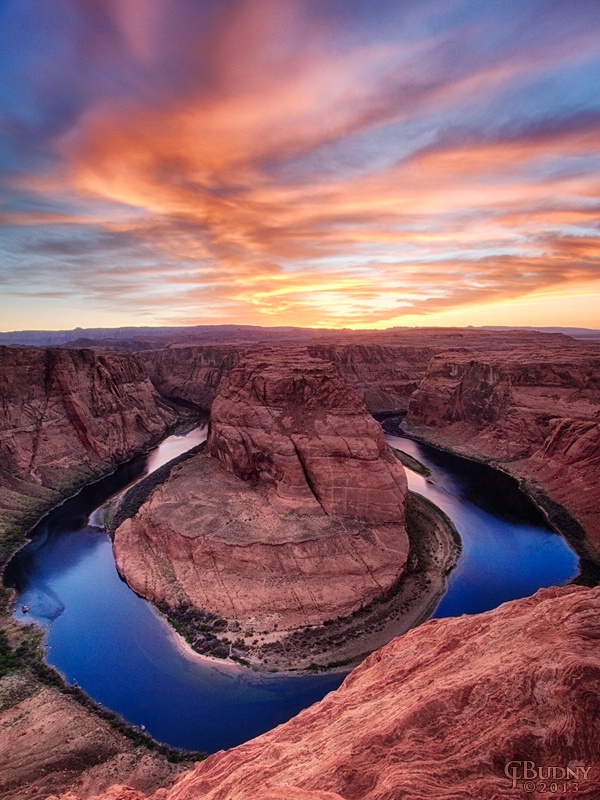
point(293, 529)
point(295, 516)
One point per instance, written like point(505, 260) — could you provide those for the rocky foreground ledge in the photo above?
point(458, 708)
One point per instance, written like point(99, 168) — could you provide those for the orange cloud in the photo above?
point(293, 181)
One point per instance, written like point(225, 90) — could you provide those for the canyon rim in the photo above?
point(289, 439)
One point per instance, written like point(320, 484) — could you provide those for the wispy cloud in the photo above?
point(273, 161)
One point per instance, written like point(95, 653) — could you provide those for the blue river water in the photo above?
point(508, 549)
point(118, 649)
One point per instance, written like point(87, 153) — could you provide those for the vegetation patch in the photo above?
point(412, 463)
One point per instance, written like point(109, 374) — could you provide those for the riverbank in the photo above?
point(341, 644)
point(557, 516)
point(52, 735)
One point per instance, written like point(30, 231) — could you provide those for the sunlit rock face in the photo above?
point(292, 421)
point(295, 515)
point(452, 709)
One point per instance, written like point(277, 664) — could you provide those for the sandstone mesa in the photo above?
point(295, 515)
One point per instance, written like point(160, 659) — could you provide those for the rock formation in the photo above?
point(65, 417)
point(295, 516)
point(50, 743)
point(383, 375)
point(438, 713)
point(383, 367)
point(537, 415)
point(292, 421)
point(191, 373)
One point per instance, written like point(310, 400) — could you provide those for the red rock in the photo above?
point(292, 421)
point(537, 415)
point(313, 530)
point(66, 417)
point(383, 367)
point(191, 373)
point(439, 713)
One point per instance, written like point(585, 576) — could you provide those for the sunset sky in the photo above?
point(337, 163)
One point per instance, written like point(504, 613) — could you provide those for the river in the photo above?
point(118, 649)
point(508, 549)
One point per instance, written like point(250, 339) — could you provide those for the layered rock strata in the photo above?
point(295, 515)
point(383, 367)
point(451, 709)
point(536, 416)
point(189, 373)
point(291, 421)
point(66, 416)
point(50, 743)
point(383, 376)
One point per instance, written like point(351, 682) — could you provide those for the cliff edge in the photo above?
point(470, 707)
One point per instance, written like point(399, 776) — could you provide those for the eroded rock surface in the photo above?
point(295, 516)
point(438, 713)
point(383, 367)
point(293, 422)
point(537, 415)
point(49, 743)
point(67, 416)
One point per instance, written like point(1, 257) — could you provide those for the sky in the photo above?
point(325, 163)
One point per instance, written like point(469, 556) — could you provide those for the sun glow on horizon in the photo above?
point(280, 162)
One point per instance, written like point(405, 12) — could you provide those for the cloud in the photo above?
point(298, 162)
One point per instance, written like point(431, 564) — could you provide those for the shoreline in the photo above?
point(557, 516)
point(340, 645)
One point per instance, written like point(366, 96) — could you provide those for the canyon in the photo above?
point(66, 417)
point(294, 515)
point(526, 402)
point(535, 415)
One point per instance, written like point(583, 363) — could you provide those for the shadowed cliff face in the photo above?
point(383, 367)
point(295, 516)
point(537, 415)
point(192, 373)
point(68, 415)
point(383, 376)
point(426, 716)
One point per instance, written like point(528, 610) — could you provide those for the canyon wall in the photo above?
point(384, 376)
point(191, 373)
point(438, 713)
point(65, 417)
point(525, 400)
point(49, 743)
point(534, 414)
point(383, 367)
